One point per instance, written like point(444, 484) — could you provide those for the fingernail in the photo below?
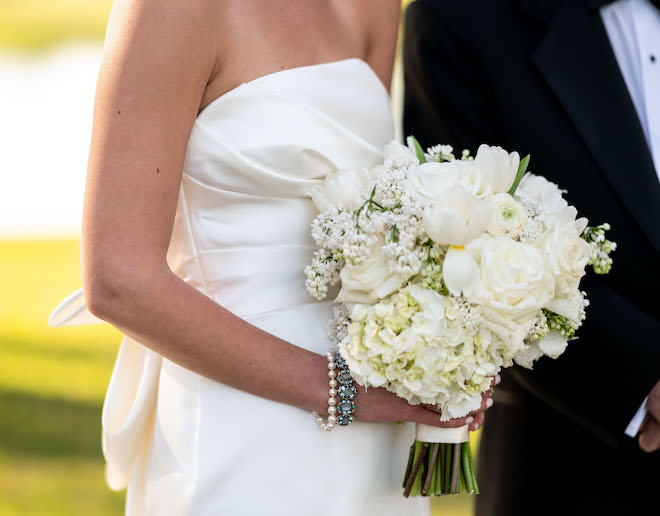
point(489, 402)
point(469, 420)
point(498, 379)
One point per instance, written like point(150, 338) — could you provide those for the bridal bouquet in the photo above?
point(449, 270)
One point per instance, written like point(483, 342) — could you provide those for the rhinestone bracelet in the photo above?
point(347, 393)
point(344, 413)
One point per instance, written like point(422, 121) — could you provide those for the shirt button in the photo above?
point(652, 58)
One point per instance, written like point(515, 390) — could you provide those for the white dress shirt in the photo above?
point(633, 27)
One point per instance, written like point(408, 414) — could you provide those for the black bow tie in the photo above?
point(597, 4)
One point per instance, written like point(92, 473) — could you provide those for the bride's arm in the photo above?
point(159, 57)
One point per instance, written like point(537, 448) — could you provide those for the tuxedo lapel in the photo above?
point(576, 59)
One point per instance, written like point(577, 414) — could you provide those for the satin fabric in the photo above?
point(183, 444)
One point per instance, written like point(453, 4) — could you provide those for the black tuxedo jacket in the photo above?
point(540, 77)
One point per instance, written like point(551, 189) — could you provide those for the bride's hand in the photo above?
point(378, 405)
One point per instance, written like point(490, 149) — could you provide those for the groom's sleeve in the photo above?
point(606, 373)
point(444, 101)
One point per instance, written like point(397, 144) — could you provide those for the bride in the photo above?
point(212, 121)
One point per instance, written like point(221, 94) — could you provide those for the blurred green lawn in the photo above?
point(52, 381)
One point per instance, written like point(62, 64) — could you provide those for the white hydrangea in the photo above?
point(416, 344)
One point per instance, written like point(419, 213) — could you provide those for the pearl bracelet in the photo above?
point(347, 392)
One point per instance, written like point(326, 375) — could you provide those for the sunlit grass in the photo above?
point(52, 383)
point(38, 24)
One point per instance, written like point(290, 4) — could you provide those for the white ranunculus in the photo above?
point(565, 255)
point(548, 199)
point(456, 217)
point(497, 169)
point(344, 189)
point(370, 280)
point(541, 192)
point(515, 286)
point(429, 179)
point(509, 216)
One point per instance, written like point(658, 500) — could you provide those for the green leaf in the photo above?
point(522, 168)
point(418, 150)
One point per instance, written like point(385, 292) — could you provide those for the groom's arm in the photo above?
point(604, 376)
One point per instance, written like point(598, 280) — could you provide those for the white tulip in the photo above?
point(456, 217)
point(498, 168)
point(344, 189)
point(509, 217)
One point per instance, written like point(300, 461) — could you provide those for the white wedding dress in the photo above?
point(184, 444)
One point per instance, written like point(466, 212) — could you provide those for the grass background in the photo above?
point(52, 381)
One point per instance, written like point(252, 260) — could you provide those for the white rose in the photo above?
point(514, 286)
point(497, 169)
point(456, 217)
point(565, 254)
point(344, 189)
point(569, 307)
point(371, 280)
point(429, 179)
point(509, 216)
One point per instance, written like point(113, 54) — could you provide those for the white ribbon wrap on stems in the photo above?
point(434, 434)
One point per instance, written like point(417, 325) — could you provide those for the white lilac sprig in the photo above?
point(322, 273)
point(440, 153)
point(601, 248)
point(431, 271)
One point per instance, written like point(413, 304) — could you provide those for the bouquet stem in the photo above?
point(437, 468)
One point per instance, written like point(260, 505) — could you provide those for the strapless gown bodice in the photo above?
point(184, 444)
point(242, 225)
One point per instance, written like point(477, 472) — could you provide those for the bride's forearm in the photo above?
point(164, 313)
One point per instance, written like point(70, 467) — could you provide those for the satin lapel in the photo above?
point(577, 61)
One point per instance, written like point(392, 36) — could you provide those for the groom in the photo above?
point(576, 84)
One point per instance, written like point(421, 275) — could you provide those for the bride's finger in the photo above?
point(478, 421)
point(486, 403)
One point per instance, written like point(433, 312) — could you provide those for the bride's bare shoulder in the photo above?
point(176, 18)
point(380, 20)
